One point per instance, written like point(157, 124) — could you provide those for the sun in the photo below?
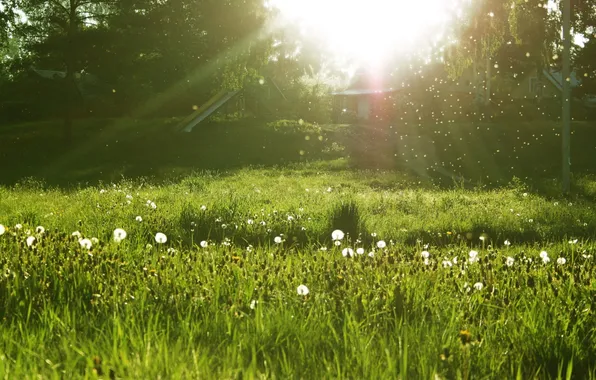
point(371, 31)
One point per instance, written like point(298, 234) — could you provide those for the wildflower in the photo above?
point(2, 229)
point(374, 234)
point(473, 257)
point(447, 264)
point(18, 226)
point(337, 243)
point(102, 191)
point(426, 261)
point(381, 244)
point(148, 246)
point(574, 241)
point(76, 234)
point(153, 205)
point(509, 261)
point(347, 252)
point(525, 194)
point(478, 286)
point(277, 240)
point(544, 257)
point(40, 230)
point(119, 235)
point(30, 241)
point(337, 235)
point(203, 244)
point(250, 222)
point(323, 249)
point(360, 251)
point(482, 238)
point(302, 290)
point(371, 254)
point(94, 240)
point(507, 243)
point(161, 238)
point(139, 219)
point(253, 304)
point(561, 261)
point(290, 218)
point(203, 208)
point(86, 243)
point(455, 260)
point(128, 196)
point(425, 254)
point(171, 251)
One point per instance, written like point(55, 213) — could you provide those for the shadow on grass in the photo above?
point(481, 156)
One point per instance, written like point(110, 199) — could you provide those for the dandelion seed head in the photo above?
point(203, 244)
point(381, 244)
point(86, 243)
point(337, 235)
point(119, 235)
point(30, 241)
point(302, 290)
point(509, 261)
point(160, 238)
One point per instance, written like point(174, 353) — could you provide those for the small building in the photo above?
point(548, 86)
point(368, 98)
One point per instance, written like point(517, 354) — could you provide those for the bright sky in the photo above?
point(371, 30)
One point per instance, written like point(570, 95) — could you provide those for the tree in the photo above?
point(52, 32)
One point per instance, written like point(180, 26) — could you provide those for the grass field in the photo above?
point(449, 267)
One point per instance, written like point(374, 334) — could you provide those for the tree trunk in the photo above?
point(69, 79)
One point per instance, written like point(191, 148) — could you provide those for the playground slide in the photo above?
point(207, 109)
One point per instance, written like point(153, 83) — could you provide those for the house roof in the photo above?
point(556, 78)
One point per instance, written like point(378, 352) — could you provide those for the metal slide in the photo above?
point(207, 109)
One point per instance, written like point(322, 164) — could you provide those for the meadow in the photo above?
point(291, 250)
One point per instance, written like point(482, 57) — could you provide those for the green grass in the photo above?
point(230, 309)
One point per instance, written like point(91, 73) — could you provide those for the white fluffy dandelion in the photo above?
point(119, 235)
point(86, 243)
point(381, 244)
point(76, 234)
point(40, 230)
point(302, 290)
point(160, 238)
point(2, 229)
point(425, 254)
point(360, 251)
point(277, 240)
point(478, 286)
point(544, 257)
point(30, 241)
point(561, 261)
point(507, 243)
point(337, 235)
point(473, 256)
point(509, 261)
point(203, 244)
point(347, 252)
point(139, 219)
